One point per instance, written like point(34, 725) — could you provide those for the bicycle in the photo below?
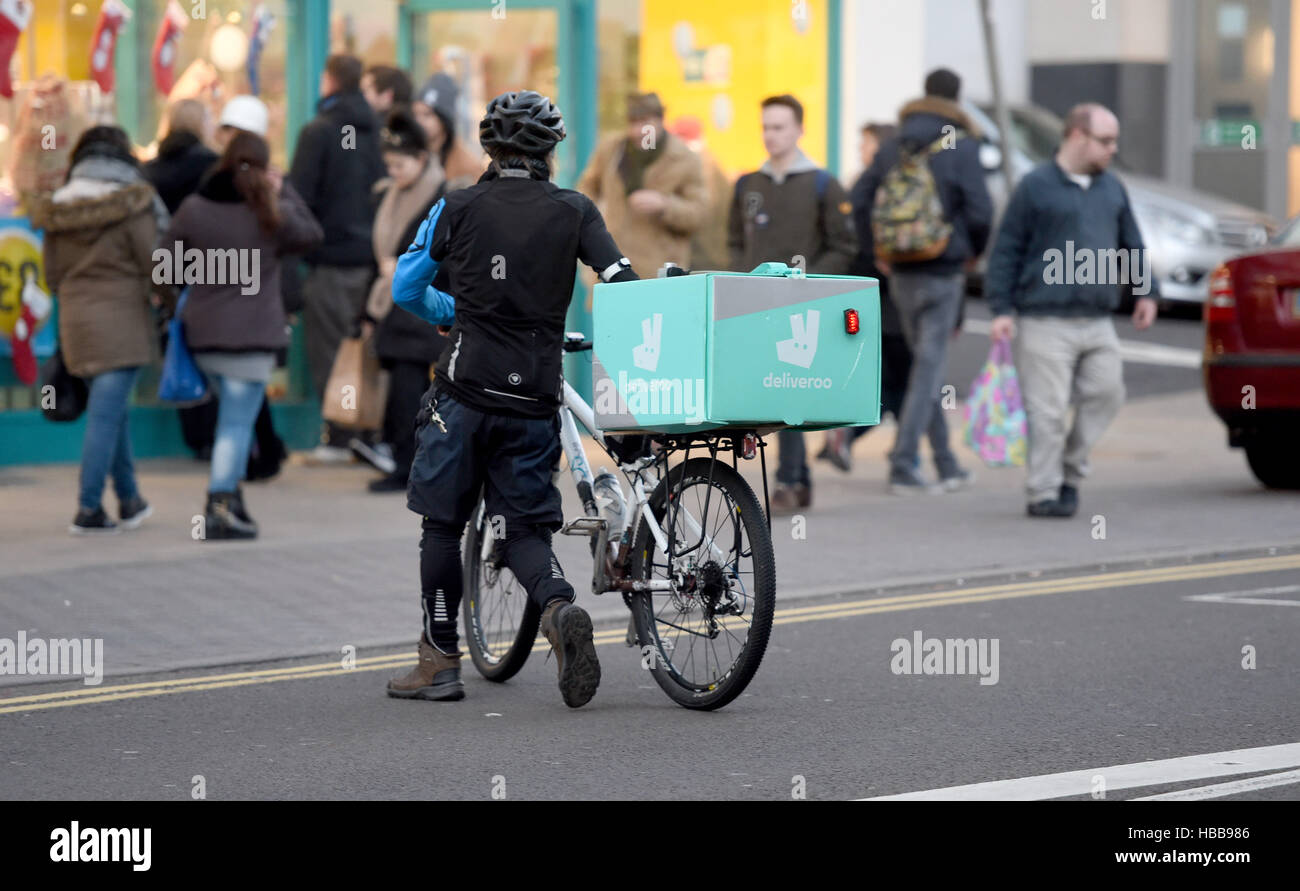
point(714, 575)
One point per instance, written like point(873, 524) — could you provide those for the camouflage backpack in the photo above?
point(907, 220)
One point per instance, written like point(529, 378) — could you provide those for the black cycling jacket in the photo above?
point(505, 253)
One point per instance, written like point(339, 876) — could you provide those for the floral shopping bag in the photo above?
point(994, 413)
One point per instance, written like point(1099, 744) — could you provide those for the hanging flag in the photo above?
point(113, 16)
point(263, 22)
point(163, 59)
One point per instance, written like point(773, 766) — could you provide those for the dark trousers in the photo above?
point(895, 366)
point(509, 460)
point(407, 382)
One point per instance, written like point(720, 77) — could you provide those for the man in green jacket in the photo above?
point(790, 211)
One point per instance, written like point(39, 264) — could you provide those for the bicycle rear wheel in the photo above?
point(703, 640)
point(500, 618)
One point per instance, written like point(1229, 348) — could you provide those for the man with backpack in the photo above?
point(790, 211)
point(930, 218)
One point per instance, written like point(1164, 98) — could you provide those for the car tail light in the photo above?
point(851, 321)
point(1222, 303)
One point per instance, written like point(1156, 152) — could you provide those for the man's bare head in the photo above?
point(1090, 139)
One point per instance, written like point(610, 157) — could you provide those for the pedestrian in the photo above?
point(406, 345)
point(199, 422)
point(335, 164)
point(927, 280)
point(489, 421)
point(435, 109)
point(895, 357)
point(245, 215)
point(386, 88)
point(649, 186)
point(101, 228)
point(1068, 349)
point(183, 154)
point(790, 211)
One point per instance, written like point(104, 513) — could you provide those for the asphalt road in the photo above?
point(1093, 671)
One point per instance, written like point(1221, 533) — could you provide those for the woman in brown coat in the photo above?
point(100, 230)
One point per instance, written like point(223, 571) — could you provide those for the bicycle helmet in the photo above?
point(523, 122)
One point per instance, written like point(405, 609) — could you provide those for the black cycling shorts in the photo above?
point(513, 457)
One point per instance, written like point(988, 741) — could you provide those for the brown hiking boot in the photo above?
point(788, 499)
point(568, 628)
point(436, 676)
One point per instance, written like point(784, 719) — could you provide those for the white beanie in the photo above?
point(245, 113)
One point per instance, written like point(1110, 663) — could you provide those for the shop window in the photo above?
point(366, 29)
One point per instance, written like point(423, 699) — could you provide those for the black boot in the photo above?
point(222, 520)
point(237, 506)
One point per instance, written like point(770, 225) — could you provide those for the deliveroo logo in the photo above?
point(646, 355)
point(801, 348)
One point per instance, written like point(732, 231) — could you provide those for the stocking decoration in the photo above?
point(14, 16)
point(263, 22)
point(164, 47)
point(113, 16)
point(35, 307)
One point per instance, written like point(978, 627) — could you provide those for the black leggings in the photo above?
point(527, 553)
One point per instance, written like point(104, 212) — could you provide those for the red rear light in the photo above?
point(851, 321)
point(1222, 303)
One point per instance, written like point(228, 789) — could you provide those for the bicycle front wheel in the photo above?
point(500, 618)
point(704, 639)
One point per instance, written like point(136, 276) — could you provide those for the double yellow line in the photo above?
point(978, 594)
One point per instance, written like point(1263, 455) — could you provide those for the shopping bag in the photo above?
point(63, 396)
point(995, 414)
point(181, 380)
point(357, 390)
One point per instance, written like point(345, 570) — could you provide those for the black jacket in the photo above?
point(334, 169)
point(508, 248)
point(957, 173)
point(177, 171)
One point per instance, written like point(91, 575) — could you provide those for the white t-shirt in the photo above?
point(1083, 179)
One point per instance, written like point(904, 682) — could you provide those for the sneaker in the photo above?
point(1049, 507)
point(133, 512)
point(92, 522)
point(836, 450)
point(329, 455)
point(911, 483)
point(568, 628)
point(788, 499)
point(378, 456)
point(955, 482)
point(391, 483)
point(435, 677)
point(1069, 497)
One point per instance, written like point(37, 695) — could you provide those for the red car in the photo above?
point(1252, 356)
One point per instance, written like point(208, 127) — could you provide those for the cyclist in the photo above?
point(507, 249)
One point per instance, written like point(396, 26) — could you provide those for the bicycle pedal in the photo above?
point(585, 526)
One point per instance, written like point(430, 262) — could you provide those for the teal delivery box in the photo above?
point(766, 349)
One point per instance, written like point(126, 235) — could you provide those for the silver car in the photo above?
point(1187, 232)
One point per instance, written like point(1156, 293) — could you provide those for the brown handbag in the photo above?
point(357, 390)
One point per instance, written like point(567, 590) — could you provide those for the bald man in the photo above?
point(1067, 247)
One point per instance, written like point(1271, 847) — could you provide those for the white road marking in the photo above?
point(1121, 776)
point(1244, 596)
point(1129, 350)
point(1219, 790)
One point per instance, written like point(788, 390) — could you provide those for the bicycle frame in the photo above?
point(610, 570)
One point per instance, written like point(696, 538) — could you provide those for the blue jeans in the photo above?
point(106, 447)
point(240, 402)
point(928, 305)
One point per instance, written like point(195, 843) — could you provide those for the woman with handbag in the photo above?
point(100, 230)
point(406, 344)
point(241, 220)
